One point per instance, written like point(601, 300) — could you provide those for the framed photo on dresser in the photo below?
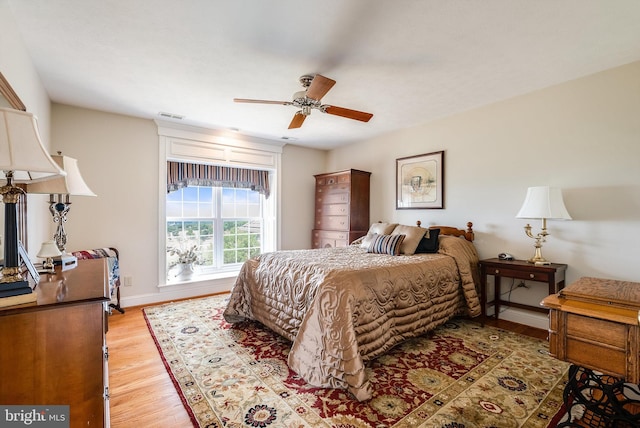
point(420, 181)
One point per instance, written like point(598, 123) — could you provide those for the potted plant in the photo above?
point(187, 256)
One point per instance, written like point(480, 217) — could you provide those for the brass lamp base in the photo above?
point(537, 258)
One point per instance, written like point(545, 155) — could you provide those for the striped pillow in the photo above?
point(386, 244)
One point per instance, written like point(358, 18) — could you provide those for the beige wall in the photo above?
point(298, 198)
point(582, 136)
point(119, 159)
point(16, 66)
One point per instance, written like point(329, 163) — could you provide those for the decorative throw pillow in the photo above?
point(429, 244)
point(386, 244)
point(380, 229)
point(413, 236)
point(358, 241)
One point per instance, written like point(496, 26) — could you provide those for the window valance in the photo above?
point(182, 174)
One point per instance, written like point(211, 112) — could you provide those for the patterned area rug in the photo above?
point(462, 375)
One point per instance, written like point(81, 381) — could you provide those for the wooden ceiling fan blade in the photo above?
point(320, 85)
point(247, 100)
point(297, 120)
point(348, 113)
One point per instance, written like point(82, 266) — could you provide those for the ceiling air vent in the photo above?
point(171, 116)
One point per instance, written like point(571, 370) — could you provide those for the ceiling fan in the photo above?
point(316, 86)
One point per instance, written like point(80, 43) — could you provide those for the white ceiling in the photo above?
point(406, 61)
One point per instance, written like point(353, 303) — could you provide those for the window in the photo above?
point(218, 204)
point(218, 228)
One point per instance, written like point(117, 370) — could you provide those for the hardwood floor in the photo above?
point(525, 330)
point(142, 393)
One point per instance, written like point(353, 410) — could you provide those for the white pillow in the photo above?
point(377, 228)
point(413, 236)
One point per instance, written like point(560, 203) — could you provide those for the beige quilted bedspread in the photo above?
point(342, 307)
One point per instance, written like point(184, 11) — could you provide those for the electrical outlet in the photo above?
point(128, 281)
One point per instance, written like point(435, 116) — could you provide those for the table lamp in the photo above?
point(48, 251)
point(23, 159)
point(543, 203)
point(60, 190)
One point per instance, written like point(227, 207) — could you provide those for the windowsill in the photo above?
point(202, 278)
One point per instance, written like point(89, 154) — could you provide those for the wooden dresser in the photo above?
point(342, 208)
point(53, 351)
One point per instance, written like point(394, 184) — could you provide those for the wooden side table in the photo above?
point(595, 325)
point(553, 275)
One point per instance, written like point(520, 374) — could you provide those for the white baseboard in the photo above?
point(183, 291)
point(523, 317)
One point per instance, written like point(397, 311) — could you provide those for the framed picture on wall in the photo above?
point(420, 182)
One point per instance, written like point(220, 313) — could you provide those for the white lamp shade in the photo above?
point(21, 149)
point(544, 202)
point(48, 249)
point(71, 184)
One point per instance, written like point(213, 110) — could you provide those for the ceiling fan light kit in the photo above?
point(316, 87)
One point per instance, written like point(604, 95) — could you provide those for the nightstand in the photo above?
point(552, 275)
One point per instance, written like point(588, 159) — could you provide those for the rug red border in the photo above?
point(558, 416)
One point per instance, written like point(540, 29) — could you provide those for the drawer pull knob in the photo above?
point(497, 271)
point(531, 275)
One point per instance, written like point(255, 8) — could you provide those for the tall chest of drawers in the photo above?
point(342, 208)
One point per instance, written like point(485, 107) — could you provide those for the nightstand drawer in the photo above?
point(519, 274)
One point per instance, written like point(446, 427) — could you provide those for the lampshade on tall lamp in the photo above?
point(60, 190)
point(23, 159)
point(543, 203)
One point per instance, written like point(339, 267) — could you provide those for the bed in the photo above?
point(342, 307)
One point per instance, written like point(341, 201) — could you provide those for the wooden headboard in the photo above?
point(454, 231)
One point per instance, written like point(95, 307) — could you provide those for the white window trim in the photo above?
point(182, 143)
